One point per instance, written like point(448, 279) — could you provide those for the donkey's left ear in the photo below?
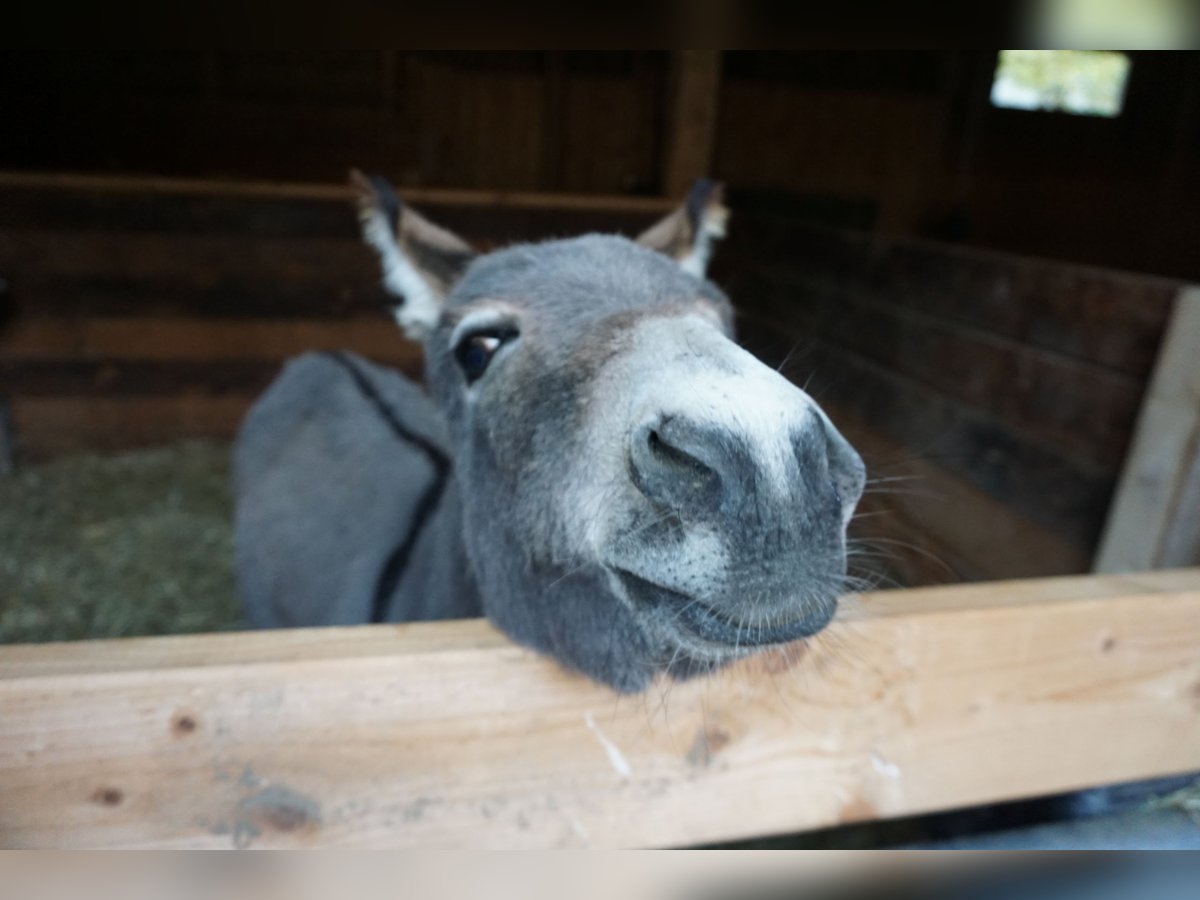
point(421, 261)
point(688, 233)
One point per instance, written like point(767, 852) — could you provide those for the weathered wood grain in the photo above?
point(1083, 408)
point(270, 190)
point(224, 274)
point(93, 245)
point(105, 384)
point(150, 356)
point(123, 377)
point(201, 339)
point(1036, 480)
point(1113, 319)
point(932, 527)
point(1022, 377)
point(446, 735)
point(1155, 516)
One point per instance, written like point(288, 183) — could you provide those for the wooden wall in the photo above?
point(995, 395)
point(578, 122)
point(855, 127)
point(909, 134)
point(143, 312)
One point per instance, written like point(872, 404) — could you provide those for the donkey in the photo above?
point(598, 468)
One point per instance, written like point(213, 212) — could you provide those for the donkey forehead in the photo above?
point(581, 279)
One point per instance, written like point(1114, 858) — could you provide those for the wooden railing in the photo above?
point(447, 735)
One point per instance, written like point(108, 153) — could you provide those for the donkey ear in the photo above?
point(687, 234)
point(421, 261)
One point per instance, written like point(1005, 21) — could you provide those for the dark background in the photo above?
point(905, 142)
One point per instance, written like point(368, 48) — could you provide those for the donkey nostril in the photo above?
point(674, 458)
point(667, 464)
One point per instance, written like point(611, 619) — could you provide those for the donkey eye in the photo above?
point(475, 351)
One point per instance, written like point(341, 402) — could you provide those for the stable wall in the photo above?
point(995, 395)
point(143, 312)
point(908, 137)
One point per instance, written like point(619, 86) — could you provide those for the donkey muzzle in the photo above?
point(708, 469)
point(777, 502)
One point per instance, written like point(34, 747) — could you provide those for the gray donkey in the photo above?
point(599, 469)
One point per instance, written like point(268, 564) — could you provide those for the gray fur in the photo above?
point(619, 558)
point(325, 491)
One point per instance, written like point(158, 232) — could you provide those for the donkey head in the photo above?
point(640, 494)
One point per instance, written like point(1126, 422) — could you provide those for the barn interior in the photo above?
point(974, 278)
point(977, 292)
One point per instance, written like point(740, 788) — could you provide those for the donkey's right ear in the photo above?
point(421, 261)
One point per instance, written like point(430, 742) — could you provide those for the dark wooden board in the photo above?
point(1110, 318)
point(124, 377)
point(1034, 480)
point(128, 273)
point(210, 339)
point(1084, 410)
point(38, 206)
point(1063, 494)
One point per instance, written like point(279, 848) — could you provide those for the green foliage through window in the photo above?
point(1084, 82)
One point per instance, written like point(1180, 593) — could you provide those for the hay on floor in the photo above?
point(135, 544)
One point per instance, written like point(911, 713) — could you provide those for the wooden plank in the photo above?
point(692, 138)
point(116, 377)
point(1113, 319)
point(1182, 541)
point(149, 654)
point(1154, 520)
point(79, 385)
point(52, 269)
point(1082, 408)
point(478, 127)
point(122, 252)
point(891, 549)
point(182, 338)
point(836, 142)
point(294, 214)
point(602, 158)
point(51, 207)
point(941, 527)
point(219, 295)
point(264, 190)
point(1036, 481)
point(446, 735)
point(1065, 494)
